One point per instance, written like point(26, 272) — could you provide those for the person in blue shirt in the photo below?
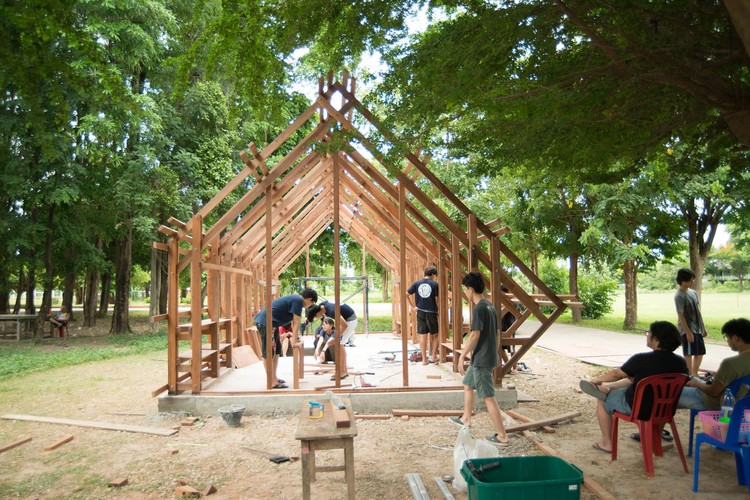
point(425, 292)
point(286, 310)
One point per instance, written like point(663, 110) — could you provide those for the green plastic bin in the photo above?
point(523, 478)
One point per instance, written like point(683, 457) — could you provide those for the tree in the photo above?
point(704, 176)
point(631, 228)
point(730, 260)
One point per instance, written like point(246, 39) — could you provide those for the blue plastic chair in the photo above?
point(741, 451)
point(734, 387)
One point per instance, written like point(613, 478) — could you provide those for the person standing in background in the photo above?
point(690, 321)
point(425, 292)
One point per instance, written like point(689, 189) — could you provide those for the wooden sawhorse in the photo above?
point(321, 434)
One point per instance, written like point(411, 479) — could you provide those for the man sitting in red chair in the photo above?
point(662, 338)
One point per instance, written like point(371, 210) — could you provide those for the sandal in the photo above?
point(496, 441)
point(280, 381)
point(333, 378)
point(280, 385)
point(592, 389)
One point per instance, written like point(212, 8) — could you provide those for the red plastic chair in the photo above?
point(666, 390)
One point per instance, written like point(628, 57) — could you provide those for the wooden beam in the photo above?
point(541, 423)
point(59, 443)
point(14, 444)
point(524, 418)
point(427, 413)
point(92, 424)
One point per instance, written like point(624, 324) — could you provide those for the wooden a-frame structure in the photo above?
point(287, 195)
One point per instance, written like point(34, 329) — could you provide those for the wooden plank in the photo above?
point(15, 444)
point(373, 417)
point(243, 356)
point(92, 424)
point(524, 418)
point(341, 418)
point(427, 413)
point(61, 442)
point(540, 423)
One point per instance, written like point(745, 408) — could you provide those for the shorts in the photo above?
point(695, 348)
point(276, 348)
point(616, 401)
point(480, 379)
point(427, 322)
point(692, 398)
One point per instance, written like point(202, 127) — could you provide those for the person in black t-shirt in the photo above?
point(663, 338)
point(425, 292)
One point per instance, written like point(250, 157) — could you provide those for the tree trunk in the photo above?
point(155, 284)
point(384, 279)
point(105, 293)
point(21, 278)
point(534, 256)
point(90, 298)
point(739, 14)
point(573, 284)
point(630, 276)
point(4, 293)
point(697, 263)
point(164, 284)
point(69, 289)
point(49, 275)
point(123, 267)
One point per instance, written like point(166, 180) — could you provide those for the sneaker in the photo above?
point(457, 421)
point(494, 440)
point(592, 390)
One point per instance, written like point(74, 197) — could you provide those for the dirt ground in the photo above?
point(209, 452)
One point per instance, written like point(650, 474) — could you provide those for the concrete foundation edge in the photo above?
point(367, 403)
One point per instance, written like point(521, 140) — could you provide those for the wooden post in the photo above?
point(442, 302)
point(173, 297)
point(269, 290)
point(307, 262)
point(195, 305)
point(496, 292)
point(456, 304)
point(337, 269)
point(471, 233)
point(402, 280)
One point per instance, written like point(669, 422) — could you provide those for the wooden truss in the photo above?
point(288, 194)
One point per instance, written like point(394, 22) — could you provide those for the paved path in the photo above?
point(605, 348)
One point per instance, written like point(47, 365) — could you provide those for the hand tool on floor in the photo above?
point(277, 459)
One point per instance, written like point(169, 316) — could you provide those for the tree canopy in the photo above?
point(119, 114)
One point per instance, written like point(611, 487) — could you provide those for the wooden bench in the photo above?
point(322, 434)
point(18, 319)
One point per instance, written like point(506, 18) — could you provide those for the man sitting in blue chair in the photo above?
point(701, 396)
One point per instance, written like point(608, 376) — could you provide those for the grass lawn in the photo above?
point(717, 309)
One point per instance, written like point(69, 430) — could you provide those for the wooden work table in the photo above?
point(322, 434)
point(18, 319)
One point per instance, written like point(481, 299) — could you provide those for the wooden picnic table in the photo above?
point(18, 318)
